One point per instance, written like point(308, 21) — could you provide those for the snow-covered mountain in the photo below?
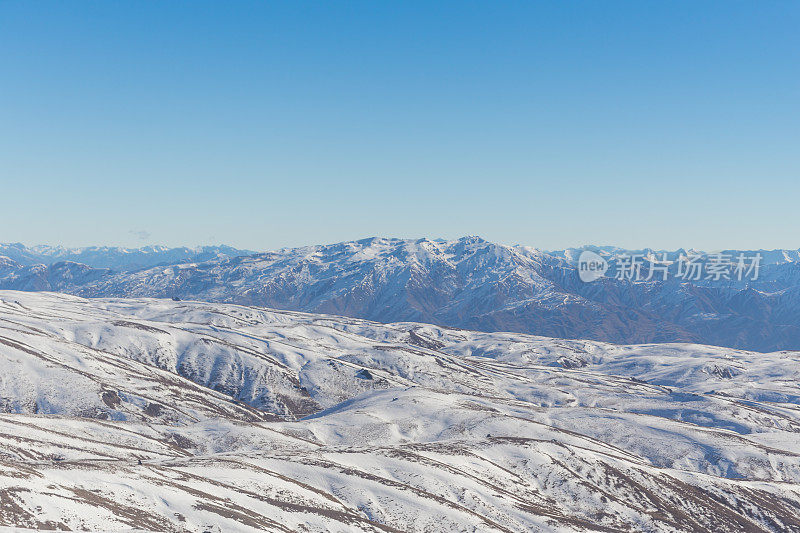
point(468, 283)
point(114, 257)
point(159, 415)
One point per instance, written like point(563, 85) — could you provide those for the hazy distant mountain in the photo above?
point(113, 257)
point(469, 283)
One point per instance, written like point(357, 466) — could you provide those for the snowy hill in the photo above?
point(249, 419)
point(468, 283)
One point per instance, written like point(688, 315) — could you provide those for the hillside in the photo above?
point(249, 419)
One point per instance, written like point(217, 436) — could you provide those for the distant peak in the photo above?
point(472, 239)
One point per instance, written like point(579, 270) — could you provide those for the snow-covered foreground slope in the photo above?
point(248, 419)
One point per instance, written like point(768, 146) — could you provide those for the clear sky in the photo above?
point(269, 124)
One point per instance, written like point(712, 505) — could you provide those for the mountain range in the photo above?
point(115, 257)
point(467, 283)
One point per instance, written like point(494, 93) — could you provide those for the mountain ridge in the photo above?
point(470, 283)
point(115, 257)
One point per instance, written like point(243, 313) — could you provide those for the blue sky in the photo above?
point(268, 124)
